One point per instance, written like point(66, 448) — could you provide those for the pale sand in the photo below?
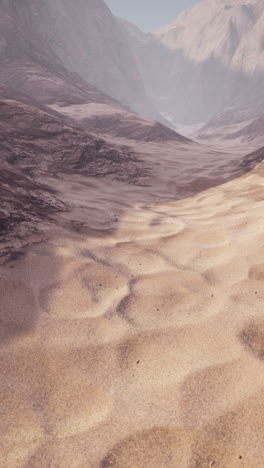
point(143, 347)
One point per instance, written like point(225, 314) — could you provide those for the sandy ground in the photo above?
point(140, 346)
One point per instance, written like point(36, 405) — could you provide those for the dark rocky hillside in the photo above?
point(250, 161)
point(36, 146)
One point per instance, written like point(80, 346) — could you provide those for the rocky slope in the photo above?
point(106, 120)
point(37, 147)
point(251, 131)
point(252, 161)
point(231, 128)
point(33, 140)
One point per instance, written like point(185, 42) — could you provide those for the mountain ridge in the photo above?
point(210, 58)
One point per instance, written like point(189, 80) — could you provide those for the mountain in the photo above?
point(211, 58)
point(30, 65)
point(218, 50)
point(226, 27)
point(34, 64)
point(86, 37)
point(202, 66)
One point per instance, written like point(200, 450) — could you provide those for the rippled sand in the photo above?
point(142, 347)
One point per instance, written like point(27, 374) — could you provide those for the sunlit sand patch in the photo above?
point(18, 308)
point(72, 409)
point(147, 345)
point(139, 258)
point(208, 393)
point(243, 426)
point(252, 337)
point(21, 431)
point(256, 272)
point(89, 291)
point(161, 357)
point(229, 273)
point(168, 447)
point(170, 298)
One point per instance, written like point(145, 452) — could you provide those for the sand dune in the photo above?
point(142, 346)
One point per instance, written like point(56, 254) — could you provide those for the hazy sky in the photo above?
point(149, 14)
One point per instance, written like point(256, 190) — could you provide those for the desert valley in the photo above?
point(131, 255)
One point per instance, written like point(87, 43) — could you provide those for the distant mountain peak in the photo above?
point(221, 29)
